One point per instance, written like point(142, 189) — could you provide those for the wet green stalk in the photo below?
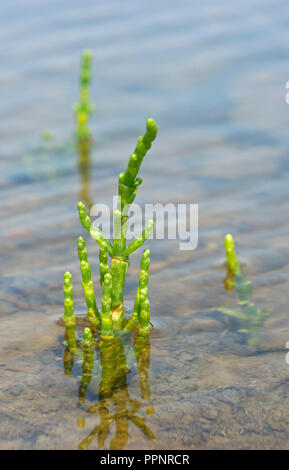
point(144, 306)
point(68, 317)
point(232, 260)
point(92, 314)
point(103, 263)
point(137, 242)
point(141, 312)
point(84, 108)
point(95, 232)
point(127, 189)
point(128, 180)
point(69, 320)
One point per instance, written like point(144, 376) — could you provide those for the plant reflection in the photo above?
point(84, 166)
point(105, 367)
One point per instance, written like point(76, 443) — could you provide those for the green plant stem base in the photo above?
point(105, 364)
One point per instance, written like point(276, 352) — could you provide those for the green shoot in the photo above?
point(250, 314)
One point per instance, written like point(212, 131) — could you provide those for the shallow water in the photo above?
point(213, 77)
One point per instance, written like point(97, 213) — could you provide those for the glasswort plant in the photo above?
point(112, 276)
point(84, 108)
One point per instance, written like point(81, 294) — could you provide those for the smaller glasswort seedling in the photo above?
point(84, 108)
point(250, 313)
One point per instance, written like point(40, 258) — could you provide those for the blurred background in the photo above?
point(212, 75)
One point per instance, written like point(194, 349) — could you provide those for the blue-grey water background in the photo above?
point(213, 75)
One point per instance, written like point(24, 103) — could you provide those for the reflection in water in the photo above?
point(84, 108)
point(84, 167)
point(105, 366)
point(250, 313)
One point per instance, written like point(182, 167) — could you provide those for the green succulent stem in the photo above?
point(143, 145)
point(95, 232)
point(106, 315)
point(134, 319)
point(68, 317)
point(87, 364)
point(127, 189)
point(232, 260)
point(118, 269)
point(87, 284)
point(137, 242)
point(141, 311)
point(103, 263)
point(144, 305)
point(84, 108)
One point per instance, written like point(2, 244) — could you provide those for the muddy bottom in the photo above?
point(205, 389)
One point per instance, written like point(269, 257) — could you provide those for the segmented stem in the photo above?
point(83, 109)
point(137, 242)
point(132, 322)
point(95, 232)
point(103, 263)
point(232, 260)
point(106, 316)
point(118, 269)
point(68, 317)
point(141, 310)
point(143, 145)
point(144, 308)
point(87, 284)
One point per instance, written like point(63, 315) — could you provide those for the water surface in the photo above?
point(213, 77)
